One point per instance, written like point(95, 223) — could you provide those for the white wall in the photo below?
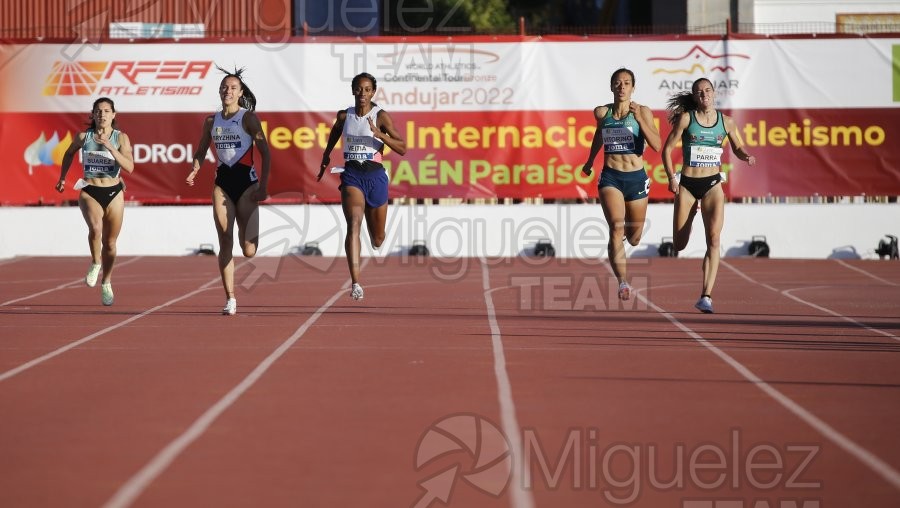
point(794, 11)
point(791, 230)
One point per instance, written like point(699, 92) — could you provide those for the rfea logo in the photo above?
point(719, 68)
point(127, 77)
point(46, 152)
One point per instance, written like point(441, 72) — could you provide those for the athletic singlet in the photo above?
point(360, 144)
point(232, 142)
point(701, 146)
point(621, 136)
point(96, 159)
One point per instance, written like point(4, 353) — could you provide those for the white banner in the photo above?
point(536, 75)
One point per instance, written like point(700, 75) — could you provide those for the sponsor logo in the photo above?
point(677, 73)
point(46, 151)
point(126, 77)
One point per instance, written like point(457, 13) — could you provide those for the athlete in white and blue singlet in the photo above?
point(366, 129)
point(105, 151)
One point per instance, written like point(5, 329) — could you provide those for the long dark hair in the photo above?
point(247, 100)
point(683, 102)
point(97, 102)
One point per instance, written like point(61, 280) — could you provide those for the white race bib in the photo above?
point(705, 156)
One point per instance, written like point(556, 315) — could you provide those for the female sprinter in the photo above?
point(238, 189)
point(105, 152)
point(622, 129)
point(366, 129)
point(702, 131)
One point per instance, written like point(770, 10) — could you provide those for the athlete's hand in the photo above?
point(261, 193)
point(102, 139)
point(634, 108)
point(674, 184)
point(586, 169)
point(376, 132)
point(190, 178)
point(60, 185)
point(325, 161)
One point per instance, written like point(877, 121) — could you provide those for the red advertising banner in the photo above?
point(479, 154)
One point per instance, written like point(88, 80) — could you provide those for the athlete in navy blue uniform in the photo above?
point(623, 128)
point(105, 151)
point(238, 189)
point(366, 129)
point(702, 131)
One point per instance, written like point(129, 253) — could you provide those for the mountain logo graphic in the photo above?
point(696, 60)
point(46, 152)
point(477, 438)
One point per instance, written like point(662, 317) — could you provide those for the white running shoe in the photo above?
point(106, 294)
point(356, 292)
point(624, 291)
point(91, 278)
point(704, 304)
point(230, 307)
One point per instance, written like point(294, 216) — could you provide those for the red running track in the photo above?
point(468, 383)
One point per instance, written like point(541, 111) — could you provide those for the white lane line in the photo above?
point(52, 354)
point(867, 274)
point(132, 489)
point(787, 293)
point(880, 467)
point(62, 286)
point(519, 497)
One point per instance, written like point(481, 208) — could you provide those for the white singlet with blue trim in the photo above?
point(96, 160)
point(359, 141)
point(230, 139)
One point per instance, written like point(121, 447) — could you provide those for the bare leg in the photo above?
point(375, 223)
point(353, 204)
point(685, 210)
point(613, 204)
point(223, 215)
point(247, 216)
point(93, 217)
point(712, 209)
point(635, 216)
point(112, 225)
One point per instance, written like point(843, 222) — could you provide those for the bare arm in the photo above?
point(254, 128)
point(677, 130)
point(202, 148)
point(74, 146)
point(737, 144)
point(387, 133)
point(644, 118)
point(333, 137)
point(597, 143)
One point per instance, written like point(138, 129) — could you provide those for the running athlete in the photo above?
point(105, 151)
point(366, 129)
point(238, 189)
point(702, 131)
point(622, 129)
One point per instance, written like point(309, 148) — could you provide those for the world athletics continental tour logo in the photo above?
point(697, 62)
point(127, 77)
